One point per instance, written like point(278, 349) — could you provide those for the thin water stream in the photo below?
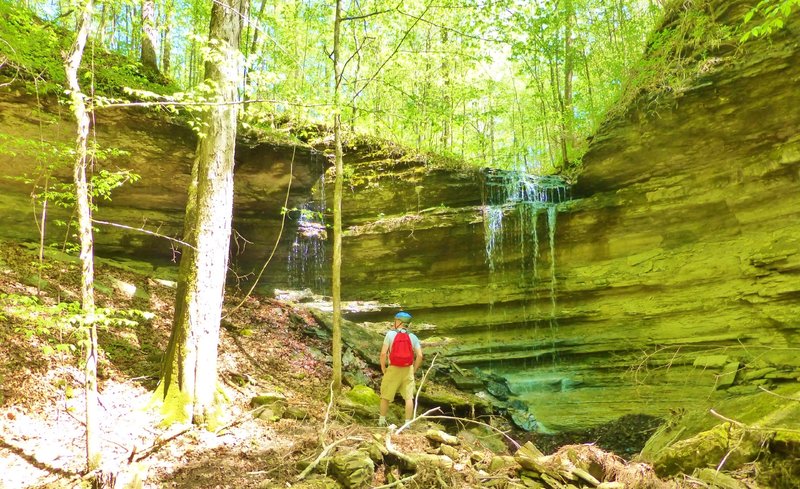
point(306, 266)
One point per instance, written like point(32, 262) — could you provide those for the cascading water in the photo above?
point(552, 212)
point(306, 263)
point(513, 203)
point(523, 197)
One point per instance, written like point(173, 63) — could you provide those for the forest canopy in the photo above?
point(502, 83)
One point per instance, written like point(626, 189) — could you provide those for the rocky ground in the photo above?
point(277, 429)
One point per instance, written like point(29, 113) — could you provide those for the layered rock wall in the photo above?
point(677, 266)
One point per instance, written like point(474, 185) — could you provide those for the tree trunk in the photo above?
point(254, 43)
point(101, 29)
point(71, 65)
point(447, 98)
point(567, 117)
point(166, 39)
point(189, 374)
point(149, 36)
point(592, 111)
point(336, 275)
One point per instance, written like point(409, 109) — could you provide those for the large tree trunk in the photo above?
point(189, 376)
point(149, 36)
point(336, 275)
point(71, 65)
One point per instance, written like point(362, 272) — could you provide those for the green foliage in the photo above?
point(482, 82)
point(100, 187)
point(771, 16)
point(32, 50)
point(682, 50)
point(304, 214)
point(52, 157)
point(61, 327)
point(29, 46)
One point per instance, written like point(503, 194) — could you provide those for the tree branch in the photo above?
point(372, 14)
point(397, 482)
point(450, 29)
point(325, 451)
point(145, 231)
point(206, 104)
point(397, 48)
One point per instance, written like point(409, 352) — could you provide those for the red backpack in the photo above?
point(402, 351)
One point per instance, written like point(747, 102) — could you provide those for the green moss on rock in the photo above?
point(363, 395)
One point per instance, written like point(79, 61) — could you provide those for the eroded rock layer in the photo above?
point(677, 266)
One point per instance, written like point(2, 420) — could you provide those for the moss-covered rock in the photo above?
point(364, 396)
point(360, 402)
point(724, 445)
point(680, 247)
point(269, 406)
point(353, 469)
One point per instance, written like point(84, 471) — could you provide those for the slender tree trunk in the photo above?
point(254, 43)
point(72, 63)
point(545, 127)
point(112, 41)
point(192, 64)
point(166, 38)
point(518, 119)
point(491, 131)
point(592, 110)
point(447, 98)
point(558, 104)
point(149, 36)
point(101, 29)
point(189, 376)
point(336, 274)
point(129, 30)
point(567, 117)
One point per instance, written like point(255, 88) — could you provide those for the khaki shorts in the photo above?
point(398, 379)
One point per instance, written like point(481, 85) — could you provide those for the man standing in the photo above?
point(403, 351)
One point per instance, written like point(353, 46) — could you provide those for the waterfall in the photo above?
point(524, 197)
point(493, 233)
point(512, 205)
point(306, 265)
point(552, 211)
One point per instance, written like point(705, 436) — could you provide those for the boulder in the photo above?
point(724, 444)
point(728, 375)
point(270, 406)
point(438, 436)
point(353, 469)
point(361, 402)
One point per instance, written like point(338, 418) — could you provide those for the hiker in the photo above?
point(401, 356)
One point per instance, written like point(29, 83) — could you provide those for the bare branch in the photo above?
point(398, 482)
point(206, 104)
point(142, 230)
point(372, 14)
point(325, 451)
point(778, 395)
point(396, 49)
point(752, 428)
